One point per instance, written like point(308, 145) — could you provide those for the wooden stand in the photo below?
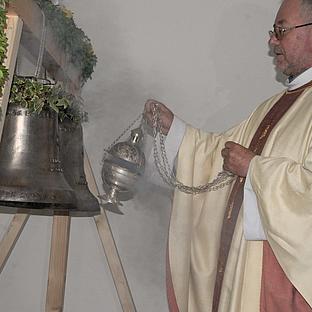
point(61, 224)
point(59, 253)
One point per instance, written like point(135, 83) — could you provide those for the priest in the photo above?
point(246, 247)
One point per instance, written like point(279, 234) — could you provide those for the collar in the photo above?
point(300, 80)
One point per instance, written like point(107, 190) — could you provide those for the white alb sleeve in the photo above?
point(253, 229)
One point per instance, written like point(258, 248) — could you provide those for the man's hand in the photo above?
point(166, 115)
point(236, 158)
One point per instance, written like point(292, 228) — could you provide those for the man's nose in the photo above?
point(273, 41)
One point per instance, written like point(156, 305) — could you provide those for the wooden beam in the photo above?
point(13, 32)
point(11, 236)
point(55, 60)
point(58, 264)
point(109, 246)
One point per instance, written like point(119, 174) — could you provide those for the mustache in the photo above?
point(277, 51)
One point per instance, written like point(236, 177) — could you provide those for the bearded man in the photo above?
point(247, 247)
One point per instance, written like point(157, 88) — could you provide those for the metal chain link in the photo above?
point(223, 178)
point(124, 132)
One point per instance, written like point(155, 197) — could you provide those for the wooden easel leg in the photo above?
point(13, 33)
point(114, 263)
point(110, 249)
point(11, 236)
point(58, 264)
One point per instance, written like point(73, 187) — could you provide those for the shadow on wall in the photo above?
point(112, 96)
point(114, 99)
point(114, 84)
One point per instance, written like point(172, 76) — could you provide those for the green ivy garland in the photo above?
point(36, 95)
point(3, 45)
point(70, 38)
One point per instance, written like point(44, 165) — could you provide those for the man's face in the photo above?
point(293, 51)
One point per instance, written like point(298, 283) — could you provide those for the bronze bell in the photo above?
point(31, 179)
point(72, 158)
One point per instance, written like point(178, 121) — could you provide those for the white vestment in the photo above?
point(281, 179)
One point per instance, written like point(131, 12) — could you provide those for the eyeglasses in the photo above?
point(278, 31)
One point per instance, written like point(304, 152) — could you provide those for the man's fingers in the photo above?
point(148, 110)
point(236, 158)
point(150, 104)
point(231, 144)
point(224, 152)
point(166, 115)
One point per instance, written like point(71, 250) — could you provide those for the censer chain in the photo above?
point(124, 132)
point(223, 178)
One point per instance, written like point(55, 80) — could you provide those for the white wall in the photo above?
point(209, 62)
